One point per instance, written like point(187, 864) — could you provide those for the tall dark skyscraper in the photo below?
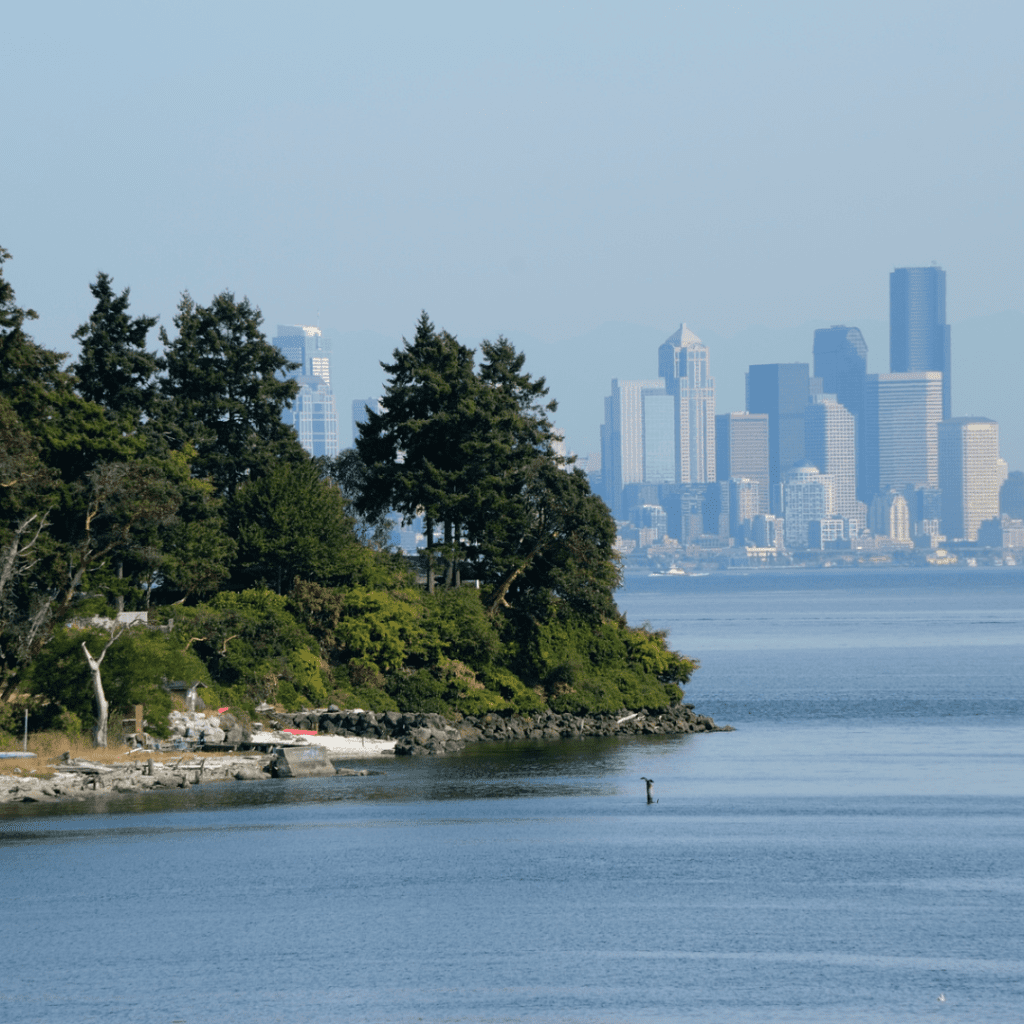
point(841, 361)
point(782, 391)
point(919, 337)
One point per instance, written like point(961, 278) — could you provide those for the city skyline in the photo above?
point(886, 459)
point(589, 188)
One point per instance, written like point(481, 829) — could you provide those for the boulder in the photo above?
point(301, 762)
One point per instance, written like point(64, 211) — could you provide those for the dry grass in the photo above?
point(49, 746)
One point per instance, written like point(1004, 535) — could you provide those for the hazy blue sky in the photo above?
point(581, 178)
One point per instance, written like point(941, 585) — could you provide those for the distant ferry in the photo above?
point(676, 571)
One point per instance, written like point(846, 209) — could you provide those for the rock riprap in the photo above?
point(434, 734)
point(80, 779)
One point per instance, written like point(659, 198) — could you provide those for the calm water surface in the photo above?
point(853, 850)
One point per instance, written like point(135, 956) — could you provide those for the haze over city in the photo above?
point(582, 181)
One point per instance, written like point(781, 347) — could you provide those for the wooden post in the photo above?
point(138, 721)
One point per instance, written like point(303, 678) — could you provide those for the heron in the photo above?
point(650, 788)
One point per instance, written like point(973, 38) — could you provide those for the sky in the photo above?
point(579, 177)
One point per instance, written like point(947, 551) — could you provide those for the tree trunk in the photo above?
point(458, 559)
point(449, 555)
point(429, 523)
point(120, 596)
point(102, 707)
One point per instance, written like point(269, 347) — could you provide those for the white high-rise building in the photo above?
point(806, 495)
point(830, 443)
point(968, 474)
point(903, 411)
point(313, 415)
point(683, 364)
point(622, 437)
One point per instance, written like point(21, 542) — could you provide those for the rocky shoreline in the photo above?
point(417, 734)
point(412, 734)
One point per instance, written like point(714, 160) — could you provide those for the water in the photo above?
point(851, 852)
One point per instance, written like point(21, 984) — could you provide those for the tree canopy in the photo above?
point(168, 483)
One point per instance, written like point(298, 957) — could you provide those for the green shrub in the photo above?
point(419, 691)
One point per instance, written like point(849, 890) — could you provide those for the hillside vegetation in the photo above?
point(169, 483)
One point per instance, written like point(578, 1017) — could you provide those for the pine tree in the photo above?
point(413, 452)
point(114, 369)
point(224, 391)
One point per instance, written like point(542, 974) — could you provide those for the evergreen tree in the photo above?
point(291, 523)
point(413, 452)
point(224, 391)
point(114, 369)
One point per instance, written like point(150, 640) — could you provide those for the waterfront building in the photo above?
point(919, 337)
point(841, 363)
point(780, 391)
point(1011, 495)
point(744, 504)
point(684, 366)
point(830, 443)
point(806, 495)
point(717, 507)
point(968, 474)
point(1001, 532)
point(741, 450)
point(903, 411)
point(766, 531)
point(833, 532)
point(651, 523)
point(313, 413)
point(890, 516)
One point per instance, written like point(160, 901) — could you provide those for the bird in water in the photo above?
point(650, 788)
point(942, 997)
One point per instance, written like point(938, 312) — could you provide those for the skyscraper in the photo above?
point(741, 450)
point(313, 415)
point(919, 337)
point(968, 474)
point(683, 365)
point(830, 443)
point(903, 411)
point(807, 495)
point(841, 361)
point(781, 391)
point(622, 438)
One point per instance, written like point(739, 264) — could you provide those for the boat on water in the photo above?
point(674, 571)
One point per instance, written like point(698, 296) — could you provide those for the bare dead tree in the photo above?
point(117, 629)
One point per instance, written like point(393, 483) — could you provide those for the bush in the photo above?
point(419, 691)
point(254, 650)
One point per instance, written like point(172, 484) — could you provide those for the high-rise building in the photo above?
point(313, 415)
point(919, 337)
point(830, 443)
point(744, 504)
point(622, 438)
point(1011, 495)
point(806, 495)
point(780, 390)
point(968, 474)
point(741, 450)
point(683, 365)
point(902, 411)
point(841, 362)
